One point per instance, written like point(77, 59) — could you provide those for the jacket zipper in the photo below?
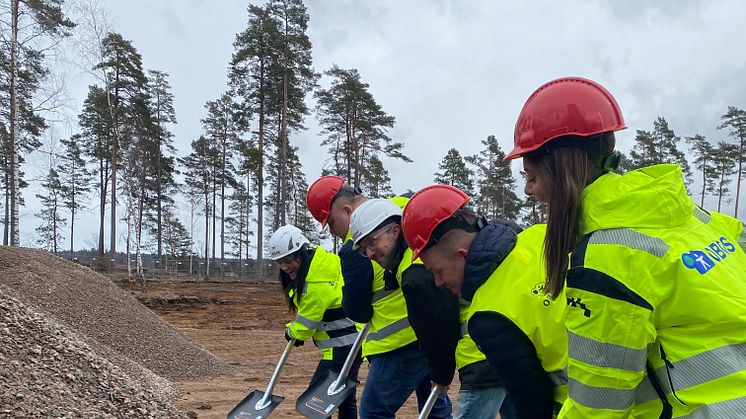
point(669, 367)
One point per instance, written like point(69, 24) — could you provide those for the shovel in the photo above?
point(434, 394)
point(321, 399)
point(259, 404)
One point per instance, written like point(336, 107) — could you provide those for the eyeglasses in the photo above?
point(368, 242)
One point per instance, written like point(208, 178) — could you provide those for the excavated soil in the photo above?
point(245, 330)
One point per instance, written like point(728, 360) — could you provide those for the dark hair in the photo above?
point(347, 193)
point(297, 284)
point(567, 165)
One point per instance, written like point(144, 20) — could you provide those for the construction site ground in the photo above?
point(242, 324)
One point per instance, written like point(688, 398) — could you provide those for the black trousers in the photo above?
point(348, 408)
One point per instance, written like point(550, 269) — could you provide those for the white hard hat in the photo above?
point(285, 240)
point(369, 216)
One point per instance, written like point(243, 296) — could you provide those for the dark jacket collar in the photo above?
point(490, 247)
point(389, 274)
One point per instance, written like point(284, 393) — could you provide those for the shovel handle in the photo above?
point(434, 394)
point(342, 377)
point(271, 386)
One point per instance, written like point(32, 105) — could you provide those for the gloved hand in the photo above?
point(289, 338)
point(354, 265)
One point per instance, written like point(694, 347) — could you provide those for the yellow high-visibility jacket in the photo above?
point(320, 315)
point(656, 296)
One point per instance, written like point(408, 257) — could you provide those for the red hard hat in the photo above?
point(566, 106)
point(320, 196)
point(426, 210)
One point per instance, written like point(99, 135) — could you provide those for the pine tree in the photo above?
point(735, 121)
point(724, 159)
point(75, 180)
point(199, 173)
point(250, 78)
point(659, 146)
point(454, 171)
point(495, 182)
point(96, 127)
point(31, 22)
point(125, 81)
point(703, 161)
point(238, 233)
point(223, 125)
point(355, 126)
point(295, 79)
point(162, 109)
point(51, 217)
point(377, 180)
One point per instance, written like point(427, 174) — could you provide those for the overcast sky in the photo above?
point(454, 72)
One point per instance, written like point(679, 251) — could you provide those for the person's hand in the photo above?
point(354, 265)
point(441, 388)
point(297, 342)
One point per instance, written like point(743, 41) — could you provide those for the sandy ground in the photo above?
point(243, 325)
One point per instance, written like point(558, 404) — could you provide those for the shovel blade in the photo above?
point(317, 403)
point(247, 409)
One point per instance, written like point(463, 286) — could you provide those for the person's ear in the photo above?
point(348, 210)
point(462, 252)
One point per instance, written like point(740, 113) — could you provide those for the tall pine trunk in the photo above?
point(159, 203)
point(260, 179)
point(102, 206)
point(207, 234)
point(113, 111)
point(14, 140)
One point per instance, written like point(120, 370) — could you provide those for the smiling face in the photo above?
point(290, 265)
point(446, 261)
point(379, 245)
point(536, 184)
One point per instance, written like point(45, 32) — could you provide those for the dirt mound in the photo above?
point(46, 371)
point(104, 316)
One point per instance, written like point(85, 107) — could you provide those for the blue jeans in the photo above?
point(392, 377)
point(480, 403)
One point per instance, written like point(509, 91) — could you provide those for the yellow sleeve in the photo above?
point(316, 299)
point(609, 330)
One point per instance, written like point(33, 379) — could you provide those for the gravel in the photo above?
point(47, 371)
point(105, 317)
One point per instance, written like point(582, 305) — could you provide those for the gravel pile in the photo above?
point(46, 371)
point(105, 317)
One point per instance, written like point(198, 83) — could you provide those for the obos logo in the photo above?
point(705, 259)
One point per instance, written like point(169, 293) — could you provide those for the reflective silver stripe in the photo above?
point(464, 329)
point(306, 322)
point(389, 330)
point(707, 366)
point(600, 397)
point(733, 408)
point(702, 215)
point(380, 295)
point(606, 355)
point(337, 324)
point(337, 342)
point(630, 238)
point(696, 370)
point(558, 378)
